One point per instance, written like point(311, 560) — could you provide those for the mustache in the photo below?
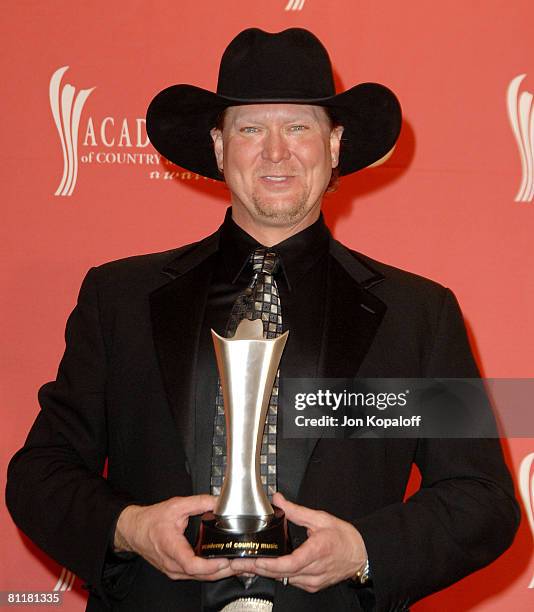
point(276, 172)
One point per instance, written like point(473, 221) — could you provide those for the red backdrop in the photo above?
point(453, 203)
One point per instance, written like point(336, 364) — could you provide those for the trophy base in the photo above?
point(243, 536)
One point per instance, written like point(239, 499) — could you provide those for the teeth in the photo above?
point(276, 178)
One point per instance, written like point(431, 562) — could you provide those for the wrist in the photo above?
point(360, 570)
point(124, 529)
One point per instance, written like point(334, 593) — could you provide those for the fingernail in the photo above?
point(223, 565)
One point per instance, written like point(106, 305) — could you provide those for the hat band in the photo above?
point(296, 97)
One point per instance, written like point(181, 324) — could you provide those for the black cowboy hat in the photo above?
point(258, 67)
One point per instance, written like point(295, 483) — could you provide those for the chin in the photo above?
point(280, 212)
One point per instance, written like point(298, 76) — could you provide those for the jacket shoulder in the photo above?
point(398, 276)
point(152, 265)
point(145, 262)
point(401, 288)
point(407, 295)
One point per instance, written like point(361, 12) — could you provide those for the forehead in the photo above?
point(277, 112)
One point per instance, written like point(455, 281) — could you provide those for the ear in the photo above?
point(216, 136)
point(335, 144)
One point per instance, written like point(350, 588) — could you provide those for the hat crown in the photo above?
point(288, 65)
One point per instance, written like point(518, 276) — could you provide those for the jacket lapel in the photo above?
point(352, 317)
point(177, 311)
point(353, 314)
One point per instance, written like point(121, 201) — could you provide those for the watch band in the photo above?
point(363, 574)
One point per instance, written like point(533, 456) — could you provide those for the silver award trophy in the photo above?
point(244, 523)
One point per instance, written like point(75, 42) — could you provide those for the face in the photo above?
point(277, 161)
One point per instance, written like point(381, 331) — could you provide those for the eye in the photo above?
point(298, 128)
point(249, 129)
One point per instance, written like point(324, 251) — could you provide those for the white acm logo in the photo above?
point(65, 581)
point(521, 115)
point(295, 5)
point(526, 489)
point(67, 106)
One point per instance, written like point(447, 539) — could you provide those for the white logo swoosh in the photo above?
point(67, 109)
point(295, 5)
point(526, 490)
point(521, 115)
point(65, 581)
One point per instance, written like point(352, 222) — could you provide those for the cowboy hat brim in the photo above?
point(180, 117)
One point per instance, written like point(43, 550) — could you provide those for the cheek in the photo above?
point(318, 159)
point(318, 164)
point(239, 160)
point(316, 150)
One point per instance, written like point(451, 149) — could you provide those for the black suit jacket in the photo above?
point(123, 396)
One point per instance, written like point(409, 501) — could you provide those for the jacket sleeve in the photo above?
point(56, 491)
point(465, 513)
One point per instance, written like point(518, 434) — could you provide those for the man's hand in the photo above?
point(157, 533)
point(333, 552)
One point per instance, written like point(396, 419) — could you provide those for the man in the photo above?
point(138, 384)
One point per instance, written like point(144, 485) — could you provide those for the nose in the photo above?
point(275, 147)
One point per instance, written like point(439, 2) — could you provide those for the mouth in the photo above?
point(276, 179)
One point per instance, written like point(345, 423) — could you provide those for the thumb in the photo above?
point(300, 515)
point(196, 504)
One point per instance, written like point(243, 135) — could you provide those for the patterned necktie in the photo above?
point(260, 300)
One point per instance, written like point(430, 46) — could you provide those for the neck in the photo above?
point(270, 234)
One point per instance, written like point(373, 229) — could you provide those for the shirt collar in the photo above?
point(298, 253)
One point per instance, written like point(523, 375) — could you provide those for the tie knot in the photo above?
point(264, 261)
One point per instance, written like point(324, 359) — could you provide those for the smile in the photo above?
point(276, 179)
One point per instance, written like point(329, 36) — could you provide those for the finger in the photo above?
point(224, 573)
point(197, 566)
point(276, 575)
point(196, 504)
point(280, 575)
point(278, 499)
point(300, 515)
point(193, 565)
point(288, 565)
point(180, 575)
point(243, 565)
point(184, 564)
